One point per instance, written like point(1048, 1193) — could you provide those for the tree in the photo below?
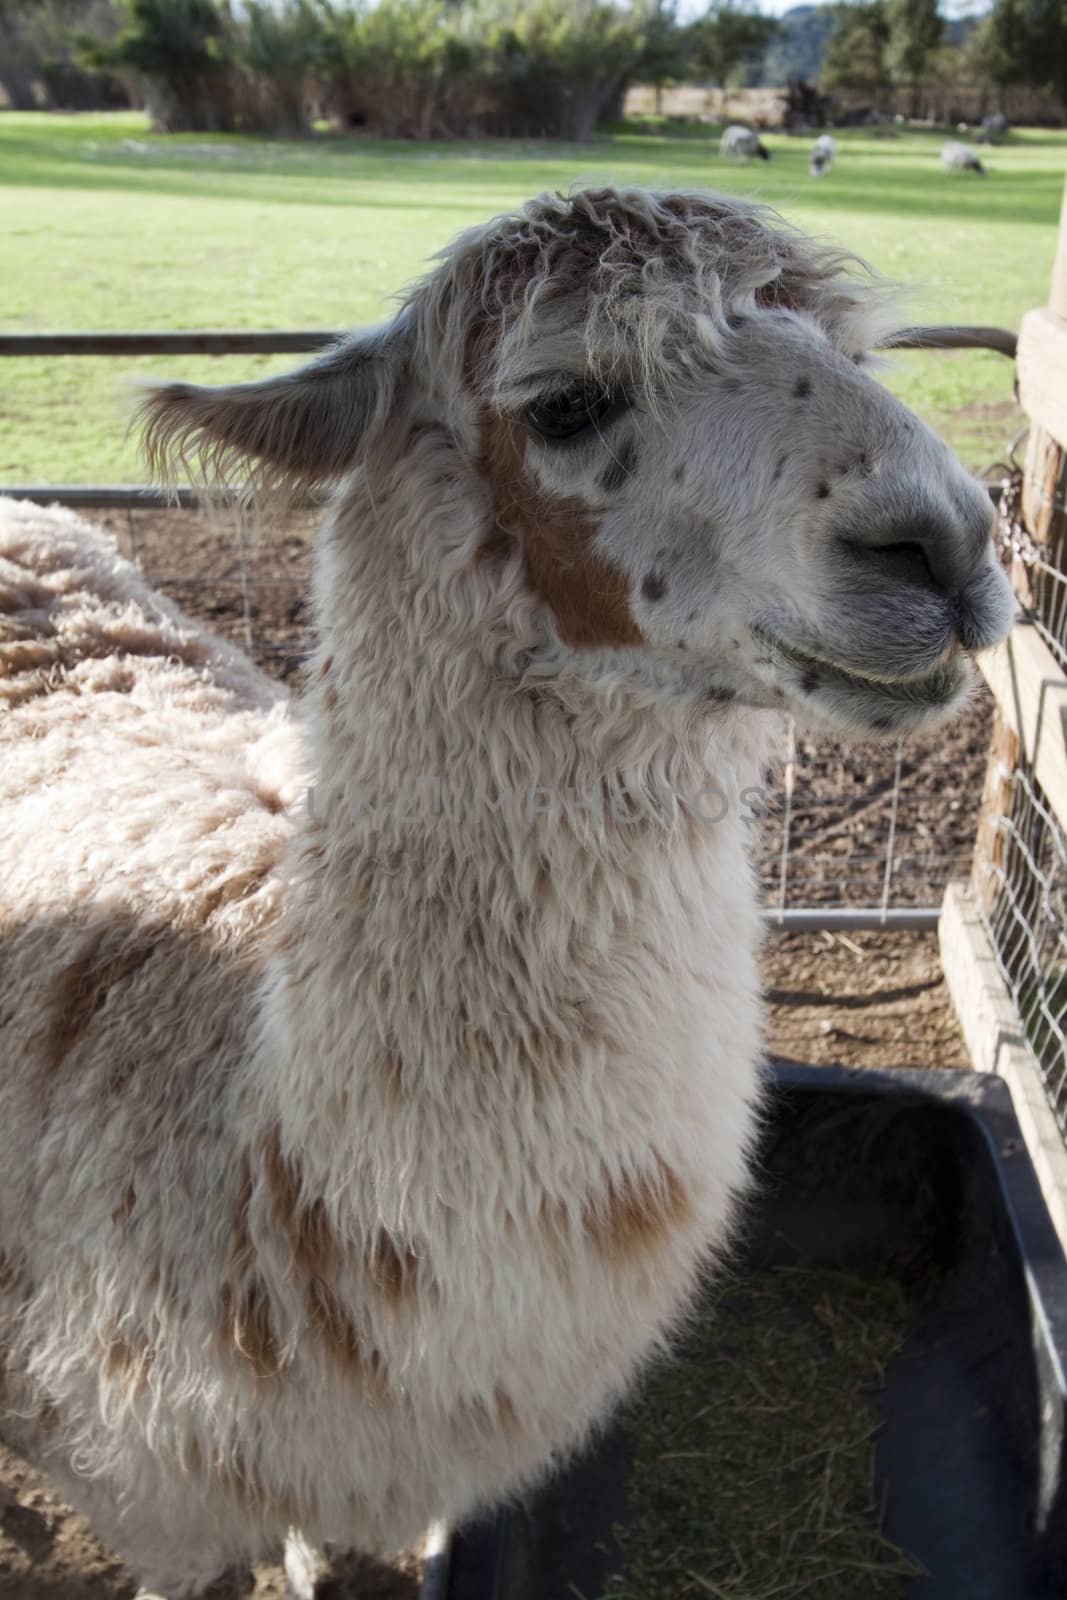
point(727, 36)
point(915, 30)
point(183, 52)
point(856, 56)
point(1025, 41)
point(799, 47)
point(38, 64)
point(663, 58)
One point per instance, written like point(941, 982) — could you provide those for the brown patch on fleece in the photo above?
point(393, 1268)
point(635, 1212)
point(313, 1244)
point(478, 1421)
point(238, 886)
point(246, 1321)
point(336, 1331)
point(128, 1364)
point(246, 1486)
point(248, 1328)
point(123, 1212)
point(393, 1078)
point(80, 992)
point(588, 597)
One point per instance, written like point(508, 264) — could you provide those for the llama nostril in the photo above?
point(905, 560)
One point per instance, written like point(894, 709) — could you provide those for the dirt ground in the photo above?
point(862, 999)
point(49, 1553)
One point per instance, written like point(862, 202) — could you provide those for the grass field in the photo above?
point(104, 225)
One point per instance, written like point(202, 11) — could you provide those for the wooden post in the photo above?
point(1043, 392)
point(998, 790)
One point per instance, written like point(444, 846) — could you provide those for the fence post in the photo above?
point(1045, 475)
point(997, 791)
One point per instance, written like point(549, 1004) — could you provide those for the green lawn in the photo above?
point(104, 225)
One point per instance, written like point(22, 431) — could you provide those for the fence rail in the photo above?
point(185, 342)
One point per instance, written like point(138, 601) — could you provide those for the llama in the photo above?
point(379, 1079)
point(742, 144)
point(822, 155)
point(958, 157)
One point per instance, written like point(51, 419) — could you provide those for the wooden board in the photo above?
point(1042, 370)
point(1030, 688)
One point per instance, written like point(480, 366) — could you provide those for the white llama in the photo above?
point(360, 1147)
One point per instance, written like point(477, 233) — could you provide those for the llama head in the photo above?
point(664, 401)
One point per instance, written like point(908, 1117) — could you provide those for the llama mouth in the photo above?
point(899, 701)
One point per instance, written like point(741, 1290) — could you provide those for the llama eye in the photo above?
point(568, 412)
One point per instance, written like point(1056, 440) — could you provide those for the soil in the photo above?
point(862, 999)
point(49, 1553)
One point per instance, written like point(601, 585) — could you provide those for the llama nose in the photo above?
point(937, 546)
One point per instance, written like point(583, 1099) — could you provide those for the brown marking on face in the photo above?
point(325, 669)
point(335, 1329)
point(48, 1419)
point(588, 598)
point(393, 1268)
point(330, 698)
point(634, 1213)
point(123, 1212)
point(313, 1244)
point(81, 991)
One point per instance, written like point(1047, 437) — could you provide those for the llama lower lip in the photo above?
point(932, 690)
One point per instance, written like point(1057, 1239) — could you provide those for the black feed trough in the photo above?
point(861, 1168)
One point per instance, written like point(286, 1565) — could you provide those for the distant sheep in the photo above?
point(742, 144)
point(957, 157)
point(822, 155)
point(994, 127)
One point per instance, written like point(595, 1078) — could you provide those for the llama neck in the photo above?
point(491, 828)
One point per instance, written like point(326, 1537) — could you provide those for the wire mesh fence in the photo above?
point(1020, 868)
point(1021, 886)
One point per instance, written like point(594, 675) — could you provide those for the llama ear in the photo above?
point(283, 434)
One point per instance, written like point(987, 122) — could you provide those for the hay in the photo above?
point(752, 1470)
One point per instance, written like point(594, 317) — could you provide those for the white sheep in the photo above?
point(742, 144)
point(957, 157)
point(380, 1073)
point(822, 155)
